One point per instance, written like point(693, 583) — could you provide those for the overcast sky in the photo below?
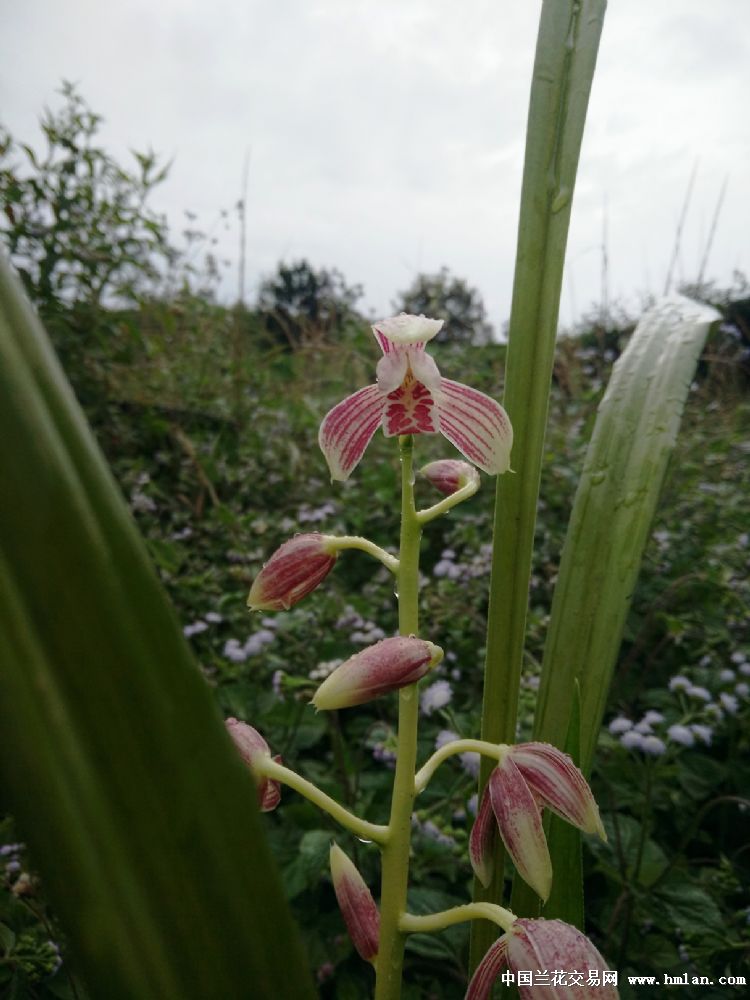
point(387, 136)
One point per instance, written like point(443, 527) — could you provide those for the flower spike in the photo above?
point(293, 571)
point(253, 748)
point(411, 397)
point(357, 906)
point(546, 945)
point(386, 666)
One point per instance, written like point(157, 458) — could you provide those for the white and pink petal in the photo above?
point(482, 841)
point(477, 425)
point(405, 329)
point(357, 906)
point(552, 944)
point(348, 428)
point(558, 784)
point(493, 963)
point(520, 821)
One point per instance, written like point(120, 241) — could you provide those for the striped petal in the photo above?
point(357, 906)
point(558, 784)
point(481, 841)
point(552, 944)
point(348, 428)
point(477, 425)
point(520, 822)
point(495, 959)
point(379, 669)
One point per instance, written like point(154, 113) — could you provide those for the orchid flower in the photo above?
point(528, 777)
point(411, 397)
point(549, 946)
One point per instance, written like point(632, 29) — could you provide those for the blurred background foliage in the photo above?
point(208, 416)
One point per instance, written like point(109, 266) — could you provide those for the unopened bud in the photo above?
point(253, 748)
point(387, 666)
point(357, 906)
point(450, 474)
point(295, 569)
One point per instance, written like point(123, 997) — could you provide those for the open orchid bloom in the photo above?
point(412, 397)
point(527, 778)
point(253, 748)
point(544, 948)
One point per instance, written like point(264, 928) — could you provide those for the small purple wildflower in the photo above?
point(726, 675)
point(632, 740)
point(435, 697)
point(679, 683)
point(729, 702)
point(681, 734)
point(653, 746)
point(704, 733)
point(195, 628)
point(620, 725)
point(696, 691)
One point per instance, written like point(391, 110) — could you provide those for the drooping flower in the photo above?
point(357, 906)
point(388, 665)
point(253, 748)
point(527, 778)
point(295, 569)
point(547, 946)
point(411, 397)
point(450, 474)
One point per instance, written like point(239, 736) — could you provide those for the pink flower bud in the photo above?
point(357, 906)
point(388, 665)
point(449, 475)
point(295, 569)
point(253, 748)
point(546, 945)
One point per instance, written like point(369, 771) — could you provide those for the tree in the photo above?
point(76, 222)
point(445, 297)
point(301, 303)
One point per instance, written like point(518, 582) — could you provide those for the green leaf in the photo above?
point(626, 461)
point(688, 907)
point(136, 807)
point(567, 47)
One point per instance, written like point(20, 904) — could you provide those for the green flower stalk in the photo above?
point(411, 398)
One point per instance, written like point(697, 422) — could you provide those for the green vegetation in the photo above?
point(208, 418)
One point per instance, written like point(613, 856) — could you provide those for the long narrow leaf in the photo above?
point(626, 461)
point(137, 810)
point(567, 47)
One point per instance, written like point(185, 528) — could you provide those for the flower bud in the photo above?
point(449, 475)
point(388, 665)
point(253, 748)
point(295, 569)
point(357, 906)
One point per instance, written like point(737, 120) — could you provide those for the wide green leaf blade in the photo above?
point(137, 810)
point(626, 461)
point(634, 436)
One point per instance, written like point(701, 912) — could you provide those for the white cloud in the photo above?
point(387, 137)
